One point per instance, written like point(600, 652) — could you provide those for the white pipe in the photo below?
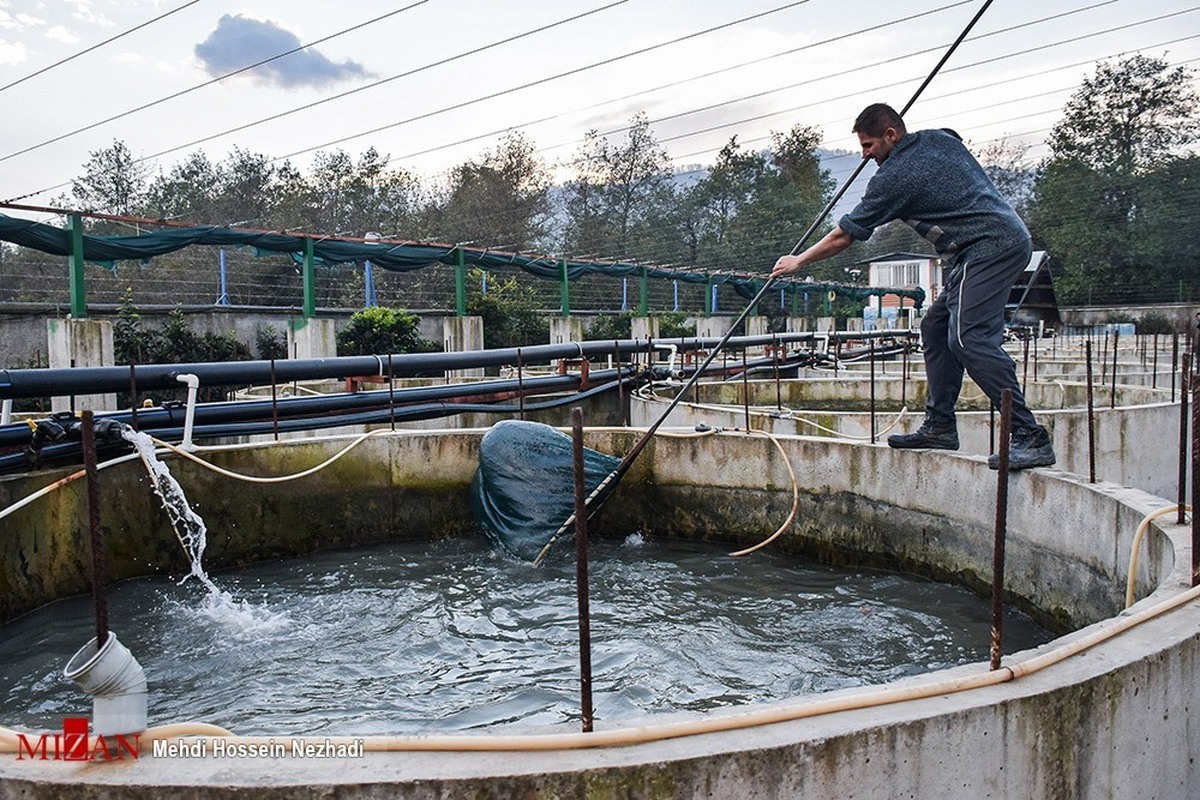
point(193, 383)
point(6, 411)
point(671, 360)
point(116, 683)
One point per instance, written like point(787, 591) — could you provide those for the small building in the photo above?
point(1032, 301)
point(903, 271)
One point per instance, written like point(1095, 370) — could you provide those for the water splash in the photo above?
point(218, 606)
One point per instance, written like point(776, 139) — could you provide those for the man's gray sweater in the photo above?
point(933, 183)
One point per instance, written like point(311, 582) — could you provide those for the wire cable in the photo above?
point(97, 46)
point(217, 79)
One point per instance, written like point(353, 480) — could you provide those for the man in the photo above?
point(930, 180)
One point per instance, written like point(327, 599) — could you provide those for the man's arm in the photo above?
point(831, 244)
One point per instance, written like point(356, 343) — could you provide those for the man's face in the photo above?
point(878, 147)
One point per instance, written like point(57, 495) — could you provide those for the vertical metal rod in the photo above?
point(1195, 476)
point(1154, 365)
point(1001, 530)
point(872, 356)
point(581, 571)
point(620, 385)
point(391, 393)
point(99, 563)
point(1035, 361)
point(274, 403)
point(904, 376)
point(1104, 359)
point(1174, 362)
point(1183, 433)
point(1091, 415)
point(991, 428)
point(1024, 363)
point(1112, 399)
point(745, 389)
point(775, 364)
point(133, 397)
point(520, 385)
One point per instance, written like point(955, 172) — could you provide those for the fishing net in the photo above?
point(524, 489)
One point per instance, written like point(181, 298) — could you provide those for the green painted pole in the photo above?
point(78, 292)
point(643, 293)
point(460, 283)
point(310, 281)
point(566, 291)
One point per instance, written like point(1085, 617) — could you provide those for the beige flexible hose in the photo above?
point(276, 479)
point(1135, 549)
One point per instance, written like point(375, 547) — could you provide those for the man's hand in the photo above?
point(786, 265)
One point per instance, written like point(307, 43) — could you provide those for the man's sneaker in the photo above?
point(933, 434)
point(1027, 448)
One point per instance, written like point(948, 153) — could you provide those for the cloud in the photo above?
point(12, 52)
point(20, 21)
point(239, 41)
point(60, 34)
point(84, 13)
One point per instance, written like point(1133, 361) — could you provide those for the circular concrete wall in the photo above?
point(1100, 712)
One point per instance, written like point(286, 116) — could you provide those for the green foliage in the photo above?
point(270, 343)
point(1113, 201)
point(610, 327)
point(1155, 323)
point(174, 343)
point(510, 315)
point(619, 193)
point(380, 330)
point(674, 325)
point(32, 405)
point(744, 213)
point(500, 200)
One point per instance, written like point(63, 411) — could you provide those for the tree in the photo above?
point(1101, 196)
point(113, 183)
point(1130, 115)
point(499, 200)
point(617, 193)
point(1007, 164)
point(185, 192)
point(747, 210)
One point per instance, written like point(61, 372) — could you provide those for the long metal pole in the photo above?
point(1183, 438)
point(1112, 397)
point(1091, 416)
point(99, 560)
point(602, 491)
point(581, 571)
point(1195, 380)
point(1001, 531)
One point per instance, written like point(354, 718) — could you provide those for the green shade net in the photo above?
point(397, 257)
point(524, 489)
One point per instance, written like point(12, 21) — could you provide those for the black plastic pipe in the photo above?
point(26, 383)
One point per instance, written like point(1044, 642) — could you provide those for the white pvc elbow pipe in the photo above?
point(116, 683)
point(193, 383)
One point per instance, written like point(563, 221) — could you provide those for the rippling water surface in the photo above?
point(449, 636)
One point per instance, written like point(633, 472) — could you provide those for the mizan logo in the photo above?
point(73, 744)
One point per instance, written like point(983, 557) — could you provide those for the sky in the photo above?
point(434, 83)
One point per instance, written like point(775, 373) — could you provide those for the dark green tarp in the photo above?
point(524, 489)
point(401, 257)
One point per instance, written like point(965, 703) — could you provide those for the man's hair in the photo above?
point(877, 118)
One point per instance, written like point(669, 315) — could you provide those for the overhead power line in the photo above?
point(98, 45)
point(217, 79)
